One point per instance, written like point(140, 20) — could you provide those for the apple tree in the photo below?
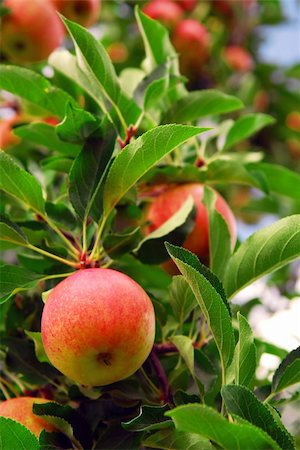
point(120, 258)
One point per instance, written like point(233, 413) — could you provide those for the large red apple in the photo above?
point(20, 410)
point(168, 202)
point(192, 41)
point(30, 31)
point(84, 12)
point(166, 12)
point(98, 326)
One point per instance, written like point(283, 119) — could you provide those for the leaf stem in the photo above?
point(270, 396)
point(52, 255)
point(166, 393)
point(84, 241)
point(52, 225)
point(98, 237)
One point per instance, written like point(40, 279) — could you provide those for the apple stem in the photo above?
point(166, 393)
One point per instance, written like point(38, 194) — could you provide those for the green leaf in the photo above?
point(40, 353)
point(152, 250)
point(14, 279)
point(171, 439)
point(210, 424)
point(240, 401)
point(150, 89)
point(149, 418)
point(66, 64)
point(263, 252)
point(20, 184)
point(87, 173)
point(185, 347)
point(10, 232)
point(212, 303)
point(199, 104)
point(94, 61)
point(245, 127)
point(219, 235)
point(67, 420)
point(288, 372)
point(225, 169)
point(245, 354)
point(156, 41)
point(280, 180)
point(57, 163)
point(139, 156)
point(14, 435)
point(181, 298)
point(33, 87)
point(44, 135)
point(77, 125)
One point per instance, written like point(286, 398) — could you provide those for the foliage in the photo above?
point(73, 196)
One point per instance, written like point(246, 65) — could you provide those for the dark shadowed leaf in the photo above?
point(77, 125)
point(149, 418)
point(87, 174)
point(43, 134)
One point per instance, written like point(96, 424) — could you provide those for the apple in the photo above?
point(192, 41)
point(187, 5)
point(169, 201)
point(293, 121)
point(118, 52)
point(7, 137)
point(84, 12)
point(98, 326)
point(238, 58)
point(20, 410)
point(166, 12)
point(30, 31)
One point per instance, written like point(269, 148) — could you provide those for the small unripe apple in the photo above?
point(20, 410)
point(192, 41)
point(30, 31)
point(238, 58)
point(98, 326)
point(170, 201)
point(84, 12)
point(167, 12)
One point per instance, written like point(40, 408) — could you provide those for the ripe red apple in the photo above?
point(20, 410)
point(168, 202)
point(187, 5)
point(84, 12)
point(30, 31)
point(166, 12)
point(98, 326)
point(238, 58)
point(192, 41)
